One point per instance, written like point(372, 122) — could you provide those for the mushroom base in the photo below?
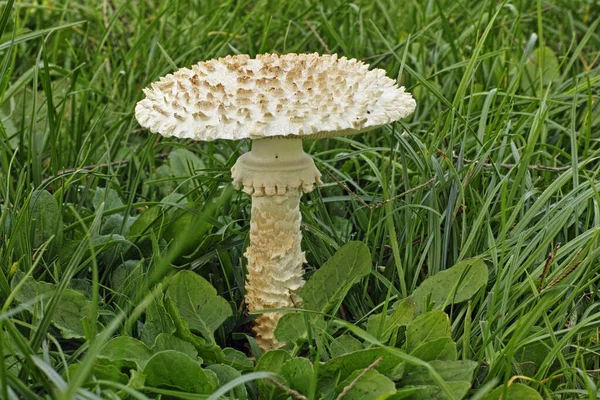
point(276, 173)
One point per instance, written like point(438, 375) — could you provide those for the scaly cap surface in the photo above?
point(295, 95)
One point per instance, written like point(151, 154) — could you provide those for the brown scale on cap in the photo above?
point(200, 115)
point(244, 93)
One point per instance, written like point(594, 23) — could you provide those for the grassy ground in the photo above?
point(499, 161)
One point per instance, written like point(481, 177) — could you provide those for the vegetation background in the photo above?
point(498, 163)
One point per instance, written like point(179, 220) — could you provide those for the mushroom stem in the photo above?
point(274, 261)
point(275, 172)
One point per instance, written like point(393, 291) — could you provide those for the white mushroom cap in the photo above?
point(293, 95)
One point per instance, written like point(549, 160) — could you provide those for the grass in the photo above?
point(499, 161)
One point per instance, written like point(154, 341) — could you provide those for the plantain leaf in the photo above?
point(126, 351)
point(271, 361)
point(226, 374)
point(327, 288)
point(45, 218)
point(329, 285)
point(197, 303)
point(514, 391)
point(299, 372)
point(450, 371)
point(165, 341)
point(72, 306)
point(371, 386)
point(401, 315)
point(175, 370)
point(342, 366)
point(439, 349)
point(158, 321)
point(454, 285)
point(427, 327)
point(344, 344)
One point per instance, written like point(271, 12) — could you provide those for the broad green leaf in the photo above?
point(109, 197)
point(102, 371)
point(299, 372)
point(409, 392)
point(326, 288)
point(197, 303)
point(439, 349)
point(125, 350)
point(344, 344)
point(30, 289)
point(71, 307)
point(181, 221)
point(237, 359)
point(344, 365)
point(292, 326)
point(6, 221)
point(370, 386)
point(117, 223)
point(172, 369)
point(531, 356)
point(145, 222)
point(158, 321)
point(271, 361)
point(330, 283)
point(430, 392)
point(184, 164)
point(207, 350)
point(109, 372)
point(326, 387)
point(226, 374)
point(427, 327)
point(82, 286)
point(342, 227)
point(454, 285)
point(165, 181)
point(100, 243)
point(401, 315)
point(127, 277)
point(137, 379)
point(540, 69)
point(165, 341)
point(106, 242)
point(168, 202)
point(112, 224)
point(450, 371)
point(45, 218)
point(514, 391)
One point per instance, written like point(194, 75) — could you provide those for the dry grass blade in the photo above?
point(319, 38)
point(358, 378)
point(549, 260)
point(568, 270)
point(291, 392)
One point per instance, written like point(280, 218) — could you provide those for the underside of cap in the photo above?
point(294, 95)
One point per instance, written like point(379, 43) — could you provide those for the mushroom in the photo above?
point(277, 101)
